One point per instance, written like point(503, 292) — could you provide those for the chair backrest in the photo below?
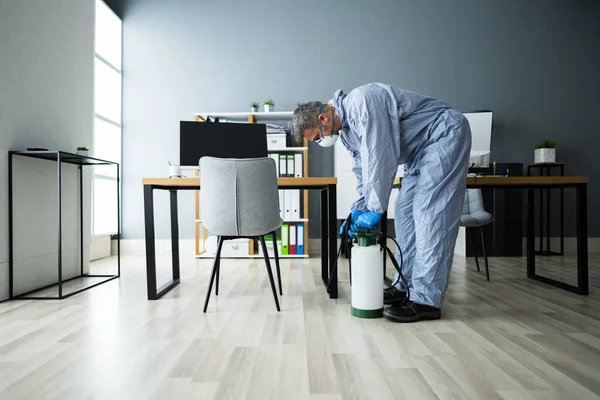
point(473, 202)
point(238, 197)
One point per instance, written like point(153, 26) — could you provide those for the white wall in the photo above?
point(46, 100)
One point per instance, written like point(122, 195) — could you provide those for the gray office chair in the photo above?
point(239, 199)
point(475, 216)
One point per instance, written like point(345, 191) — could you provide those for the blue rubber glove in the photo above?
point(355, 215)
point(368, 219)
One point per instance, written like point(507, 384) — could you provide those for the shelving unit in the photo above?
point(201, 232)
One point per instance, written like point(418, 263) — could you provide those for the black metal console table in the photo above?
point(546, 191)
point(69, 158)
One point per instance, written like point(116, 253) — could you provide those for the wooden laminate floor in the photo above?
point(511, 338)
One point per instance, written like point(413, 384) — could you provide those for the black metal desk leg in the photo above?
point(541, 216)
point(562, 214)
point(384, 232)
point(10, 227)
point(333, 285)
point(324, 236)
point(174, 235)
point(59, 180)
point(582, 240)
point(530, 234)
point(547, 214)
point(81, 219)
point(150, 245)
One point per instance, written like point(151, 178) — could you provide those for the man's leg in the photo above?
point(437, 206)
point(404, 225)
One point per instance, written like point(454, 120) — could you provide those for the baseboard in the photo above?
point(186, 246)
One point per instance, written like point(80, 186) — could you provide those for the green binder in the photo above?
point(285, 239)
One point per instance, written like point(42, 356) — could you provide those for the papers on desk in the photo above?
point(272, 128)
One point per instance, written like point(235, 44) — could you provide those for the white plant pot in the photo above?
point(268, 108)
point(545, 155)
point(254, 109)
point(82, 152)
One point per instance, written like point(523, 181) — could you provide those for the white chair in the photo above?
point(239, 199)
point(475, 216)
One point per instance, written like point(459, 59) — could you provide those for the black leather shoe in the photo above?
point(392, 295)
point(409, 311)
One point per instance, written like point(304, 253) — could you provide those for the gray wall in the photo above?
point(534, 63)
point(46, 100)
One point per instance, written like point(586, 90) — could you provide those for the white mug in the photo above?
point(174, 171)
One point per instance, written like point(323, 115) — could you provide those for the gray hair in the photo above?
point(305, 117)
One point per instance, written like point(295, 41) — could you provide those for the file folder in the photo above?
point(298, 170)
point(281, 204)
point(275, 156)
point(295, 204)
point(287, 202)
point(282, 165)
point(285, 236)
point(292, 248)
point(290, 166)
point(300, 239)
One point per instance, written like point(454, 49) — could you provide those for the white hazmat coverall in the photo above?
point(384, 127)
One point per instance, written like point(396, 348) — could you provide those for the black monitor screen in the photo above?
point(223, 140)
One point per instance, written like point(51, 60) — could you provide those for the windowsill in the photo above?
point(99, 235)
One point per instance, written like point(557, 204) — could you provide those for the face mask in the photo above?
point(327, 141)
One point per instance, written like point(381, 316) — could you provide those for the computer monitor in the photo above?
point(220, 139)
point(481, 134)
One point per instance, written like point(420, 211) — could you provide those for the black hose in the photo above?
point(398, 267)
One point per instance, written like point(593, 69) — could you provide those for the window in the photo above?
point(108, 84)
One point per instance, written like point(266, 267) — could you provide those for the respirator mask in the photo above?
point(327, 141)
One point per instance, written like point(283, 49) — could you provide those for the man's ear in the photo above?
point(322, 117)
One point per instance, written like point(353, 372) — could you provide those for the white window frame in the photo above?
point(110, 121)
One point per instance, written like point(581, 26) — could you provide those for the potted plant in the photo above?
point(269, 105)
point(255, 106)
point(545, 151)
point(82, 150)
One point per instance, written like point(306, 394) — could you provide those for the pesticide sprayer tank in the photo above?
point(367, 276)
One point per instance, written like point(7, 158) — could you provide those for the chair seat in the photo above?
point(476, 219)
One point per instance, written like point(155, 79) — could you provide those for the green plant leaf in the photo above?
point(546, 144)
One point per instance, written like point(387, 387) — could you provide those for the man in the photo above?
point(384, 127)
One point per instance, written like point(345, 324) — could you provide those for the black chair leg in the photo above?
point(474, 248)
point(217, 278)
point(266, 255)
point(487, 270)
point(214, 271)
point(277, 263)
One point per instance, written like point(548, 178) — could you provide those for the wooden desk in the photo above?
point(327, 187)
point(529, 183)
